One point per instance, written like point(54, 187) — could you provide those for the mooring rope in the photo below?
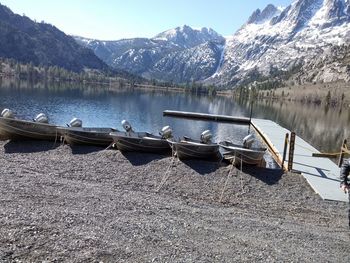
point(109, 146)
point(167, 172)
point(242, 180)
point(226, 182)
point(229, 175)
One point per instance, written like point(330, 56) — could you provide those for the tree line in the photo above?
point(30, 72)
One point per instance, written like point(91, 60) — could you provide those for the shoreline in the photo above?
point(86, 204)
point(309, 93)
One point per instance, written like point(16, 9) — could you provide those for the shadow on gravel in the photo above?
point(138, 159)
point(29, 146)
point(202, 167)
point(266, 175)
point(85, 149)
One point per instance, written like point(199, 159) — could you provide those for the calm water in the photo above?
point(101, 107)
point(324, 128)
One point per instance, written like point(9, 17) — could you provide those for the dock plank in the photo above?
point(321, 173)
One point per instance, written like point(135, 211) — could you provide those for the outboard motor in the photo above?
point(42, 118)
point(127, 126)
point(75, 122)
point(166, 132)
point(248, 141)
point(7, 113)
point(206, 137)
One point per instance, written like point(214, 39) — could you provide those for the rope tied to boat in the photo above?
point(167, 173)
point(229, 175)
point(112, 145)
point(242, 181)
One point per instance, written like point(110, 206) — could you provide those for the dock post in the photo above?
point(250, 116)
point(285, 150)
point(291, 151)
point(341, 157)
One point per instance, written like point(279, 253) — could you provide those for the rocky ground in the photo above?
point(86, 204)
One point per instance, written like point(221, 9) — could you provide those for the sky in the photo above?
point(117, 19)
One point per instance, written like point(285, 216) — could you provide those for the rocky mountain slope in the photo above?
point(42, 44)
point(333, 65)
point(181, 54)
point(303, 34)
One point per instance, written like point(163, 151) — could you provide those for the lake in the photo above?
point(102, 106)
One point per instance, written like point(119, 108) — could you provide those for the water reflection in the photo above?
point(106, 106)
point(323, 127)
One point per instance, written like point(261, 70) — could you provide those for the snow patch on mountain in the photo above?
point(180, 54)
point(285, 38)
point(275, 38)
point(188, 37)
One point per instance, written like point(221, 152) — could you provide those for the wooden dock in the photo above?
point(321, 173)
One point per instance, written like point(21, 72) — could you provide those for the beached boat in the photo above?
point(245, 152)
point(87, 135)
point(76, 134)
point(16, 129)
point(204, 149)
point(131, 141)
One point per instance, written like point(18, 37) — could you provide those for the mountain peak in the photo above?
point(332, 12)
point(186, 36)
point(5, 11)
point(336, 9)
point(261, 16)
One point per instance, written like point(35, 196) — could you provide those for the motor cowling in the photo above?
point(42, 118)
point(75, 122)
point(166, 132)
point(127, 126)
point(7, 113)
point(206, 136)
point(248, 141)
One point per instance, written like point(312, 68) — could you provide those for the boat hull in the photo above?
point(87, 136)
point(140, 142)
point(14, 129)
point(189, 150)
point(252, 156)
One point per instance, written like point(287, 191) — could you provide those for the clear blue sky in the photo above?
point(116, 19)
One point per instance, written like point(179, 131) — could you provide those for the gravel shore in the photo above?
point(61, 204)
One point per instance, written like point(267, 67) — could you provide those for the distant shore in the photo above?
point(88, 204)
point(334, 94)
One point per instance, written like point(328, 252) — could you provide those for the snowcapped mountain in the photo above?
point(188, 37)
point(303, 34)
point(296, 35)
point(197, 63)
point(181, 54)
